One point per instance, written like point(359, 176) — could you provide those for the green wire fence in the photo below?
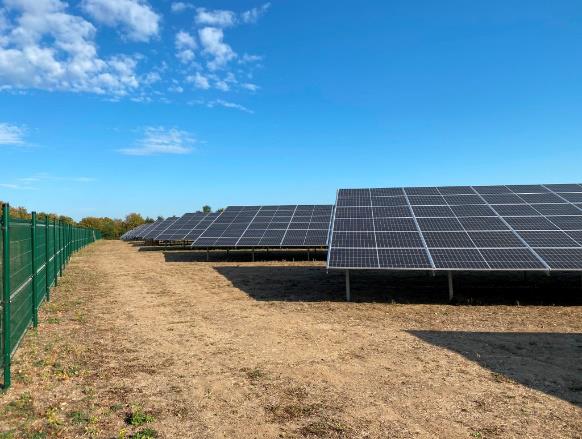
point(33, 255)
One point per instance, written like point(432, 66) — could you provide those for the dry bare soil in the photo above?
point(165, 344)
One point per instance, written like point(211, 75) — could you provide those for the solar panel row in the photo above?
point(268, 226)
point(523, 227)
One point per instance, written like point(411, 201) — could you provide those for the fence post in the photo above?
point(6, 293)
point(55, 271)
point(61, 249)
point(34, 268)
point(46, 258)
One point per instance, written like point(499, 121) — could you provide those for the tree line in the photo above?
point(110, 228)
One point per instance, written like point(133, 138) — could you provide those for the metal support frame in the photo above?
point(207, 254)
point(253, 254)
point(348, 287)
point(34, 270)
point(451, 292)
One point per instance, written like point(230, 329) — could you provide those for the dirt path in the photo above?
point(251, 350)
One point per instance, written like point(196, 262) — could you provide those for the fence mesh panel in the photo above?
point(32, 255)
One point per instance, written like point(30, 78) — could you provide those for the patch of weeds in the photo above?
point(145, 433)
point(122, 434)
point(38, 435)
point(7, 434)
point(22, 406)
point(324, 428)
point(138, 417)
point(81, 318)
point(255, 374)
point(116, 407)
point(287, 412)
point(501, 378)
point(52, 418)
point(79, 417)
point(21, 377)
point(65, 372)
point(476, 434)
point(39, 363)
point(53, 320)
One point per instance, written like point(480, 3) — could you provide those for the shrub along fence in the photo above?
point(33, 255)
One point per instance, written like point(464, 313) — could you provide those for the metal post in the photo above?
point(307, 253)
point(253, 255)
point(55, 267)
point(34, 268)
point(207, 255)
point(6, 294)
point(46, 258)
point(61, 249)
point(348, 287)
point(450, 275)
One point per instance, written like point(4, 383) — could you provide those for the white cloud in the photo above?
point(253, 15)
point(14, 186)
point(181, 6)
point(227, 104)
point(218, 17)
point(160, 140)
point(47, 48)
point(250, 86)
point(11, 134)
point(185, 46)
point(136, 17)
point(199, 80)
point(246, 58)
point(212, 40)
point(45, 176)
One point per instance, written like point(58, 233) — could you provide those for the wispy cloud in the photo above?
point(217, 17)
point(224, 104)
point(181, 6)
point(16, 187)
point(160, 140)
point(11, 134)
point(253, 15)
point(45, 176)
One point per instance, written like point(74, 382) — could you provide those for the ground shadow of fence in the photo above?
point(548, 362)
point(314, 283)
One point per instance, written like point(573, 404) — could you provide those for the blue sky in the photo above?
point(113, 106)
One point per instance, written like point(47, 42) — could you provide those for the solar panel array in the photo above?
point(137, 232)
point(127, 236)
point(268, 226)
point(187, 228)
point(519, 227)
point(157, 228)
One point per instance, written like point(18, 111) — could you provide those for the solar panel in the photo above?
point(158, 227)
point(278, 226)
point(185, 227)
point(140, 234)
point(514, 227)
point(129, 234)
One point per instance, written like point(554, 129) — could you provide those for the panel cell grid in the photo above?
point(512, 259)
point(548, 239)
point(496, 239)
point(439, 224)
point(463, 259)
point(562, 258)
point(403, 258)
point(448, 240)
